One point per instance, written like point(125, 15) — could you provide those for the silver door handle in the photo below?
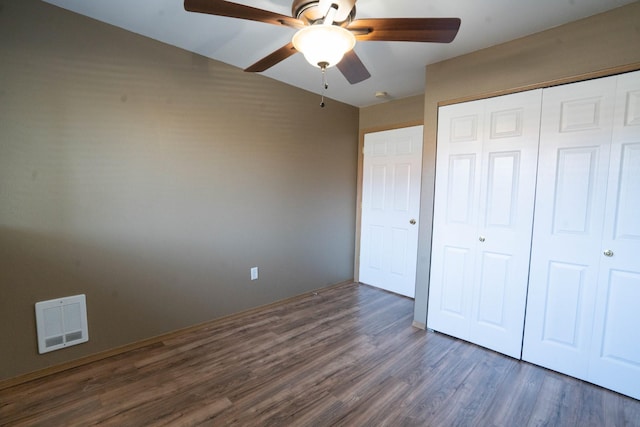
point(481, 238)
point(608, 253)
point(412, 221)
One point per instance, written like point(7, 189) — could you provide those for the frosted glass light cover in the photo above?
point(323, 44)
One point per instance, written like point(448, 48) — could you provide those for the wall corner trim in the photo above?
point(419, 325)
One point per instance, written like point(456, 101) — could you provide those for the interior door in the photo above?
point(455, 218)
point(614, 359)
point(485, 183)
point(390, 209)
point(575, 142)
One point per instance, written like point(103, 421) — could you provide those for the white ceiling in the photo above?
point(396, 67)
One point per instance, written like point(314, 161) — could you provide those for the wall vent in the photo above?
point(61, 323)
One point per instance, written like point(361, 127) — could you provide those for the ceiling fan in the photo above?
point(328, 30)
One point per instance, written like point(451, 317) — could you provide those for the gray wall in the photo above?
point(605, 43)
point(152, 179)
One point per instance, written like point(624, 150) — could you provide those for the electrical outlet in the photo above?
point(254, 273)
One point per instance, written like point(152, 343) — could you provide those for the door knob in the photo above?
point(412, 221)
point(608, 252)
point(481, 238)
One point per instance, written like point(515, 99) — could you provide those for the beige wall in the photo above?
point(392, 114)
point(602, 44)
point(152, 179)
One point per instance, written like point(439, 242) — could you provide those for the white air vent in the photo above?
point(61, 323)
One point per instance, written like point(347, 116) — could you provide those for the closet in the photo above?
point(583, 311)
point(577, 271)
point(485, 182)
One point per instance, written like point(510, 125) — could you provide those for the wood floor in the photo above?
point(347, 355)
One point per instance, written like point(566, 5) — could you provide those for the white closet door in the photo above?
point(455, 217)
point(507, 195)
point(615, 352)
point(573, 168)
point(485, 183)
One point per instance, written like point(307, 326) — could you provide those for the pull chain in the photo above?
point(325, 85)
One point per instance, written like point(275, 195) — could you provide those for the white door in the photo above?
point(390, 209)
point(582, 315)
point(485, 182)
point(614, 360)
point(455, 217)
point(573, 167)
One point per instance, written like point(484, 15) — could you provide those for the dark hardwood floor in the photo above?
point(347, 355)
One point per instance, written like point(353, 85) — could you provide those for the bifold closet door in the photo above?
point(614, 360)
point(582, 311)
point(485, 183)
point(575, 140)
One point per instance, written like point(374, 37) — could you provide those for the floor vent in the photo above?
point(61, 323)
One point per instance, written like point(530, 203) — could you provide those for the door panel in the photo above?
point(615, 355)
point(507, 194)
point(621, 287)
point(504, 170)
point(452, 299)
point(460, 189)
point(375, 248)
point(485, 181)
point(493, 283)
point(574, 189)
point(459, 150)
point(577, 121)
point(626, 224)
point(402, 187)
point(377, 189)
point(580, 114)
point(399, 243)
point(390, 200)
point(564, 296)
point(614, 360)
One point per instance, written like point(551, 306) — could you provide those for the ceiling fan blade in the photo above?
point(272, 59)
point(434, 30)
point(352, 68)
point(235, 10)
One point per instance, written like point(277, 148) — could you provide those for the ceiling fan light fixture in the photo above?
point(323, 45)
